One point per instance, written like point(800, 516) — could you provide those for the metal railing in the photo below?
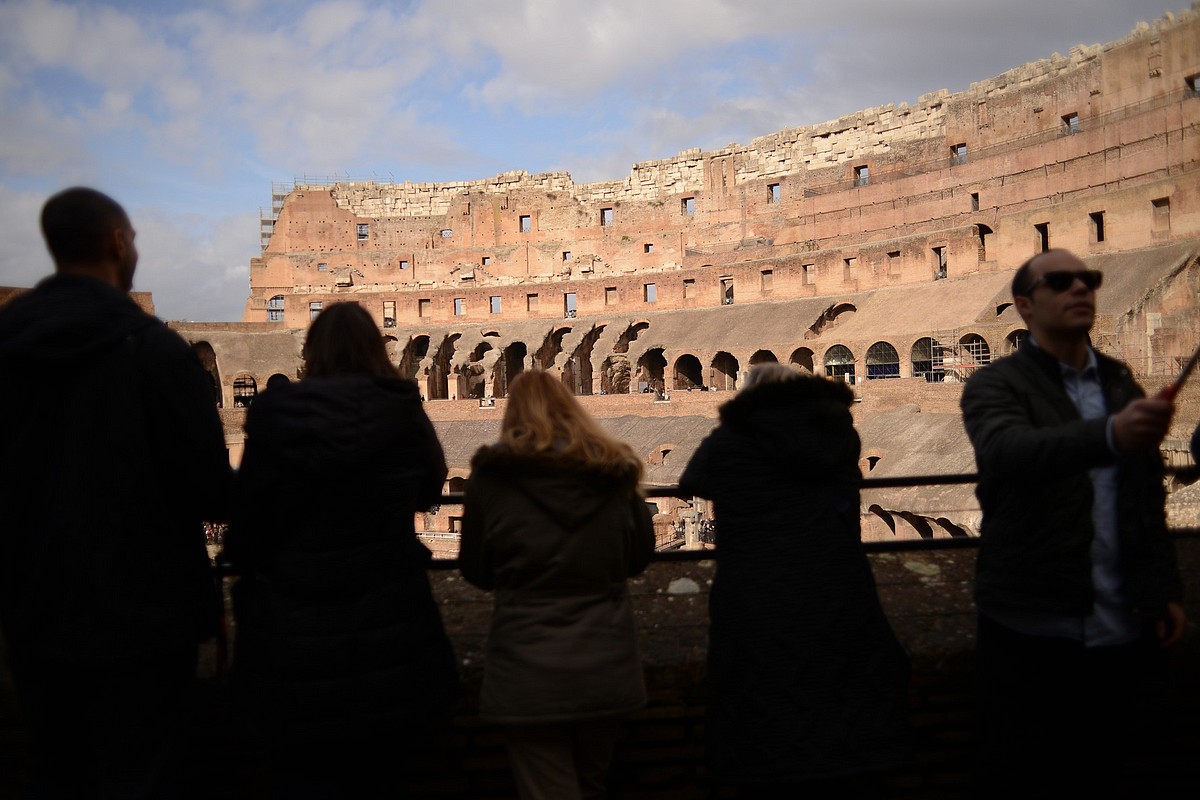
point(1186, 474)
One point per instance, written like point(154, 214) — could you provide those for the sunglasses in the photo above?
point(1060, 280)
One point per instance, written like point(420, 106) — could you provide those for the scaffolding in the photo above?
point(266, 221)
point(955, 355)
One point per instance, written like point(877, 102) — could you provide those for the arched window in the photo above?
point(839, 363)
point(245, 389)
point(724, 371)
point(688, 373)
point(802, 357)
point(1013, 341)
point(651, 367)
point(975, 350)
point(882, 361)
point(510, 364)
point(208, 360)
point(763, 357)
point(275, 309)
point(927, 360)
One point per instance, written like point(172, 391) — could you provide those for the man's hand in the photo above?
point(1142, 424)
point(1170, 630)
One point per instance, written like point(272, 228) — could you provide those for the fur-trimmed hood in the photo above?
point(564, 488)
point(768, 397)
point(502, 457)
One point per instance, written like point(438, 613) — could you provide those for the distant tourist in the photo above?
point(554, 525)
point(1076, 583)
point(341, 662)
point(112, 456)
point(808, 684)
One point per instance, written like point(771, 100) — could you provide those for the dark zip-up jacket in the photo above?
point(1033, 452)
point(112, 455)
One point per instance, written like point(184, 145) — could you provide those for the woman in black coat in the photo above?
point(807, 680)
point(341, 661)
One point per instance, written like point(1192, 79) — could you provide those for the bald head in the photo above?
point(88, 232)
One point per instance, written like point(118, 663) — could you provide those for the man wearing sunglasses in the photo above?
point(1076, 584)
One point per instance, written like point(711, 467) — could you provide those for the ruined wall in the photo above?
point(953, 185)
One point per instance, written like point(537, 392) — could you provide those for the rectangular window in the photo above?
point(569, 307)
point(687, 206)
point(566, 255)
point(689, 288)
point(939, 263)
point(1072, 122)
point(1193, 84)
point(1161, 213)
point(849, 269)
point(322, 266)
point(446, 233)
point(810, 274)
point(1096, 219)
point(364, 231)
point(526, 223)
point(314, 309)
point(727, 291)
point(606, 216)
point(404, 263)
point(974, 201)
point(1043, 236)
point(768, 279)
point(773, 192)
point(650, 292)
point(485, 261)
point(531, 302)
point(460, 306)
point(893, 262)
point(862, 175)
point(958, 154)
point(389, 313)
point(494, 304)
point(610, 295)
point(423, 307)
point(648, 248)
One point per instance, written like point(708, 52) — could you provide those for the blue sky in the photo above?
point(186, 112)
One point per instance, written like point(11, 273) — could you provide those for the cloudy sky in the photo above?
point(186, 112)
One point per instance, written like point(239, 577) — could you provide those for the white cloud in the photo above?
point(23, 257)
point(197, 269)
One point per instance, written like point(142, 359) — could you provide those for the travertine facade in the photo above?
point(879, 245)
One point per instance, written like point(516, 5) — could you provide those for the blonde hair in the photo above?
point(541, 417)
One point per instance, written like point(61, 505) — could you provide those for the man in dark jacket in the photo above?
point(1076, 585)
point(112, 455)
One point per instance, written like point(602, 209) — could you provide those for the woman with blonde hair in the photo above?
point(554, 525)
point(341, 663)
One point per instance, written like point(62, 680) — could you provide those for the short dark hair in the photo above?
point(76, 223)
point(1022, 284)
point(344, 340)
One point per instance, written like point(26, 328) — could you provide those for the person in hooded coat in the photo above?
point(341, 662)
point(807, 681)
point(554, 525)
point(112, 457)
